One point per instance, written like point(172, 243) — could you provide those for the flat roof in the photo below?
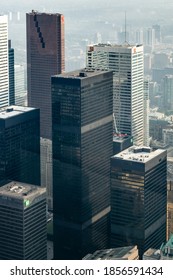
point(113, 253)
point(152, 253)
point(140, 154)
point(11, 111)
point(124, 46)
point(21, 190)
point(35, 12)
point(82, 73)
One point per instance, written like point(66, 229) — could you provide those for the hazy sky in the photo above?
point(35, 4)
point(142, 9)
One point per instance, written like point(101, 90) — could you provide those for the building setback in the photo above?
point(45, 57)
point(138, 198)
point(82, 147)
point(126, 62)
point(20, 145)
point(23, 232)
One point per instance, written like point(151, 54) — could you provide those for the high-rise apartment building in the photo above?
point(11, 74)
point(4, 80)
point(126, 61)
point(20, 144)
point(167, 83)
point(157, 29)
point(45, 57)
point(82, 147)
point(138, 198)
point(23, 225)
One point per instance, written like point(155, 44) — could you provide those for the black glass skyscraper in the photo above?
point(20, 144)
point(82, 147)
point(23, 225)
point(138, 198)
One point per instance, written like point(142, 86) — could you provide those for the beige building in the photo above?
point(121, 253)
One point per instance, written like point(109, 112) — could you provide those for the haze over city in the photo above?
point(83, 19)
point(86, 129)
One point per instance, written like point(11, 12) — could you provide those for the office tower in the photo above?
point(20, 144)
point(146, 110)
point(4, 81)
point(82, 147)
point(167, 136)
point(138, 198)
point(23, 232)
point(128, 95)
point(168, 94)
point(11, 74)
point(20, 92)
point(46, 169)
point(45, 57)
point(121, 253)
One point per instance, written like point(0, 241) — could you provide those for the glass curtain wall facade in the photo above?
point(20, 144)
point(23, 231)
point(138, 198)
point(45, 57)
point(126, 62)
point(82, 147)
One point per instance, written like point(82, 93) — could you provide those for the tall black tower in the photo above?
point(82, 147)
point(20, 145)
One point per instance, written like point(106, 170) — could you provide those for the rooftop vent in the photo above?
point(82, 74)
point(9, 110)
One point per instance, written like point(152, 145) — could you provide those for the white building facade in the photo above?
point(127, 63)
point(4, 79)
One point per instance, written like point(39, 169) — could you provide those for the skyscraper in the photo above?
point(82, 147)
point(146, 112)
point(11, 74)
point(45, 57)
point(23, 232)
point(126, 61)
point(20, 92)
point(138, 198)
point(4, 80)
point(20, 145)
point(167, 84)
